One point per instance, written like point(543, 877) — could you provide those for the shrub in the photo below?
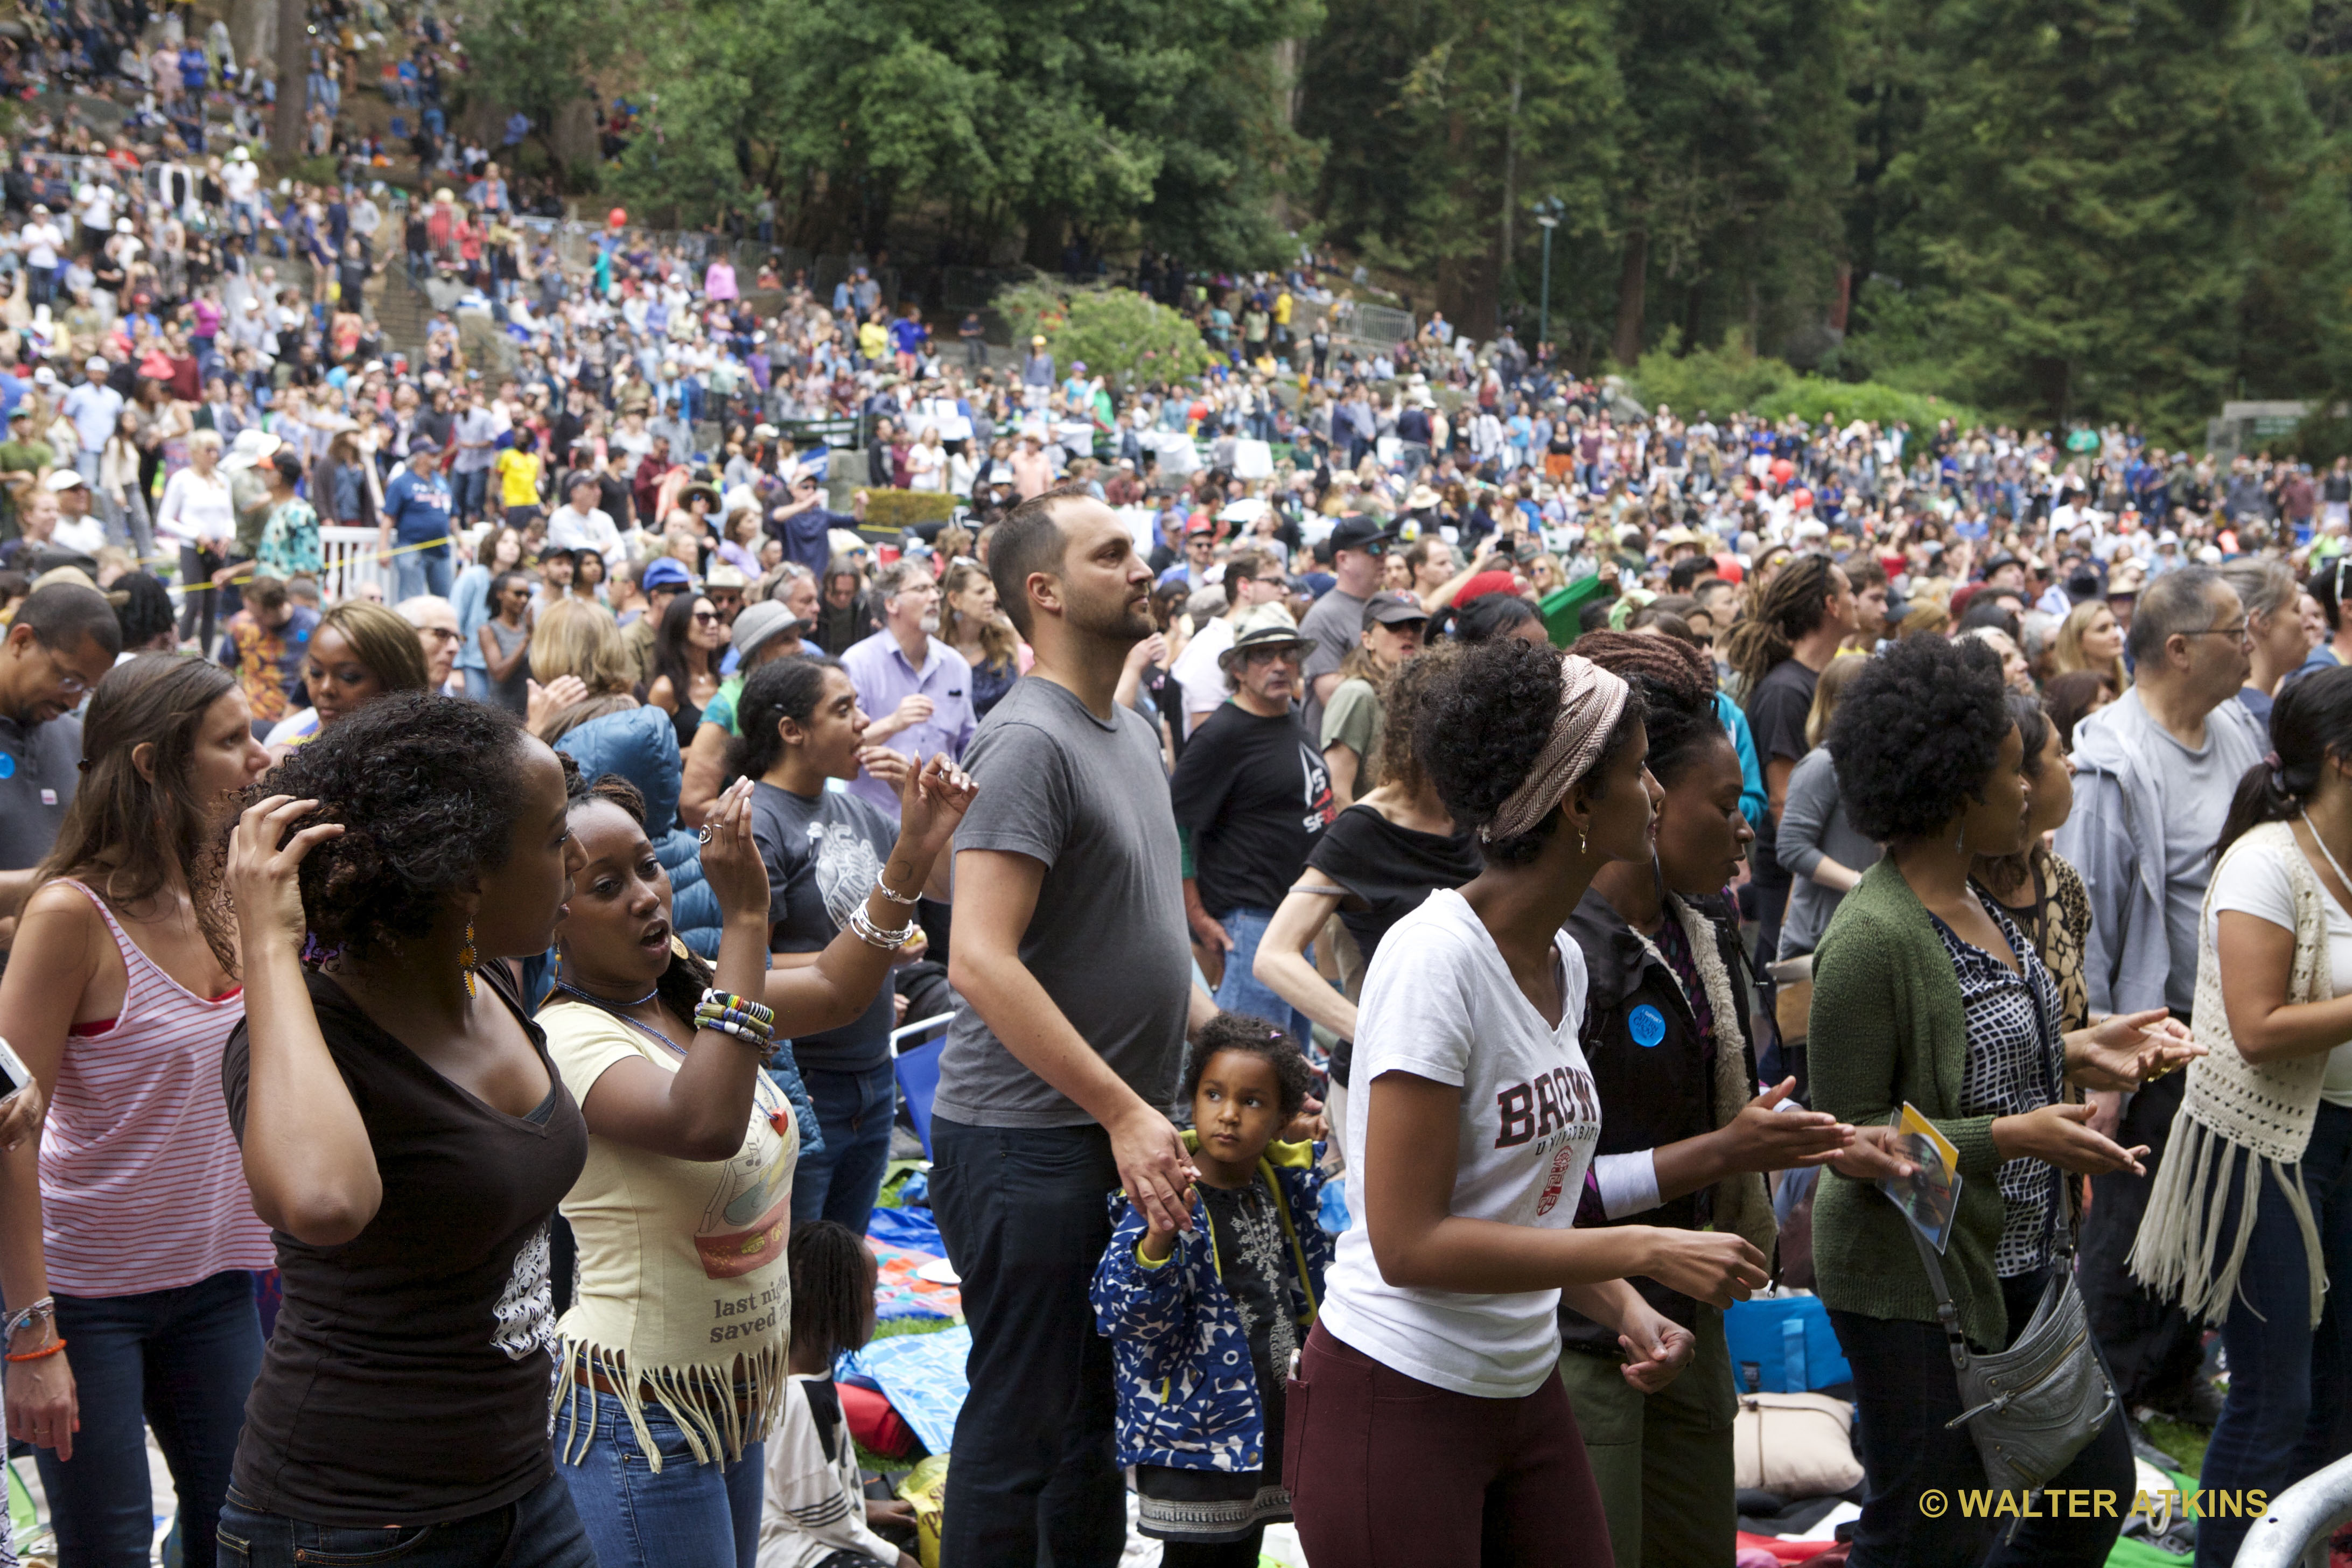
point(1814, 398)
point(892, 510)
point(1720, 380)
point(1114, 333)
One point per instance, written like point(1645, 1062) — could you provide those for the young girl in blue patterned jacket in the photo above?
point(1203, 1322)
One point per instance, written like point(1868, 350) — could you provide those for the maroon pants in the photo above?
point(1386, 1472)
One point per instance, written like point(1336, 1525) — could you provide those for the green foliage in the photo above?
point(1731, 375)
point(539, 56)
point(891, 510)
point(1114, 332)
point(1814, 398)
point(1108, 120)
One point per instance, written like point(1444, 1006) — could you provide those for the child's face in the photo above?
point(1238, 1107)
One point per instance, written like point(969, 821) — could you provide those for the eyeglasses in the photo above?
point(442, 634)
point(69, 683)
point(1272, 656)
point(2237, 631)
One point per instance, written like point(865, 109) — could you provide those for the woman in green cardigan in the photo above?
point(1925, 992)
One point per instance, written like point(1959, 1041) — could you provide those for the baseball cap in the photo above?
point(63, 480)
point(1392, 610)
point(1199, 525)
point(96, 364)
point(423, 446)
point(666, 572)
point(1357, 532)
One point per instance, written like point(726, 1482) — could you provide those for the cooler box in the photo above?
point(1783, 1345)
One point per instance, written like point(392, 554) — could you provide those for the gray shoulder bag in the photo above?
point(2034, 1406)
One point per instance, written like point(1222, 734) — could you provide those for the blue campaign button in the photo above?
point(1647, 1026)
point(8, 766)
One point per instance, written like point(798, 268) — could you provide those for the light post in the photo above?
point(1548, 212)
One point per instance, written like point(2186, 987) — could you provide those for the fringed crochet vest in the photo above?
point(2238, 1119)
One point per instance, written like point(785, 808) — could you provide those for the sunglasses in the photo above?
point(705, 617)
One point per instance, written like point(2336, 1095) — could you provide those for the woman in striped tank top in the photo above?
point(126, 1228)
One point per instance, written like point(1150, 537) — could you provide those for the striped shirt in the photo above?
point(141, 1186)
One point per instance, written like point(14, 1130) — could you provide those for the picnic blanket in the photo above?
point(922, 1378)
point(898, 1293)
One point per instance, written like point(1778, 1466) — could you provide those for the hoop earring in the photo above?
point(467, 958)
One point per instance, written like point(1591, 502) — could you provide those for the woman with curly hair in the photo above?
point(1925, 994)
point(1777, 654)
point(124, 1223)
point(1684, 1137)
point(406, 1137)
point(1436, 1354)
point(674, 1353)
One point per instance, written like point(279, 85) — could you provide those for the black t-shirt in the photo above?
point(409, 1376)
point(1776, 710)
point(823, 855)
point(1390, 869)
point(1255, 793)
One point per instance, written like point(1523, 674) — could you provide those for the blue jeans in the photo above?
point(2290, 1407)
point(539, 1529)
point(421, 572)
point(183, 1362)
point(841, 1180)
point(468, 491)
point(1903, 1393)
point(687, 1516)
point(1023, 1212)
point(1240, 991)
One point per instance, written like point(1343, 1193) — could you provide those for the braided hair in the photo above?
point(833, 1287)
point(1677, 689)
point(1793, 606)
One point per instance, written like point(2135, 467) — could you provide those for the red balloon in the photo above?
point(1781, 469)
point(617, 218)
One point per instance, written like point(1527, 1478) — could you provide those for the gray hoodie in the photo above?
point(2116, 838)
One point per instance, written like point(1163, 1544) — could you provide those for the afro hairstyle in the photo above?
point(1916, 734)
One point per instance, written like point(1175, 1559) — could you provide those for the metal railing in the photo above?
point(2295, 1533)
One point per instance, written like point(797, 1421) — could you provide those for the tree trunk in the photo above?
point(252, 30)
point(1632, 279)
point(292, 57)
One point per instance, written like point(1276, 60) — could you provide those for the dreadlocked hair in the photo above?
point(833, 1287)
point(1793, 606)
point(1678, 688)
point(681, 985)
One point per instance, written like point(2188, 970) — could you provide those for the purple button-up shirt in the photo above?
point(877, 666)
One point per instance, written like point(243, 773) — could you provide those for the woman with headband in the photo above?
point(1435, 1356)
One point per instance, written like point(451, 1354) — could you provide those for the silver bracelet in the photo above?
point(876, 936)
point(904, 902)
point(47, 1306)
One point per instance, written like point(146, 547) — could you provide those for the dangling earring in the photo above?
point(1582, 837)
point(467, 958)
point(1960, 840)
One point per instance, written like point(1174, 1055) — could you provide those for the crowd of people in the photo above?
point(1441, 879)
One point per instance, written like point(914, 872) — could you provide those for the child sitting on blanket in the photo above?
point(815, 1513)
point(1239, 1290)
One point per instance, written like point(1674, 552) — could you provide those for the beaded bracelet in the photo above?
point(728, 1001)
point(711, 1012)
point(47, 1306)
point(47, 1351)
point(900, 900)
point(878, 936)
point(744, 1029)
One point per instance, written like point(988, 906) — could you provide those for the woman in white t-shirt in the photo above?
point(195, 515)
point(1429, 1412)
point(2250, 1219)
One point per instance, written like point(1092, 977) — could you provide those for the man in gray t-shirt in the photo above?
point(62, 641)
point(1108, 942)
point(1334, 623)
point(2154, 773)
point(1074, 960)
